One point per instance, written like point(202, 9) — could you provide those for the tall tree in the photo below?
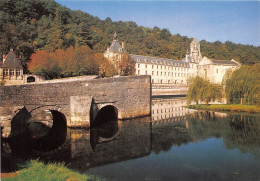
point(201, 89)
point(244, 85)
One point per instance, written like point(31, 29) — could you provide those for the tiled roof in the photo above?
point(116, 47)
point(188, 59)
point(12, 61)
point(224, 62)
point(159, 61)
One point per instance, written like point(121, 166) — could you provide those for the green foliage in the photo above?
point(27, 26)
point(37, 171)
point(201, 89)
point(243, 86)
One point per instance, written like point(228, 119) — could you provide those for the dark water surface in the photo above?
point(175, 143)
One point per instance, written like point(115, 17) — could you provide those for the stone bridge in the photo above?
point(77, 101)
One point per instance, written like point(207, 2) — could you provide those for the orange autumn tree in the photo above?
point(64, 63)
point(42, 64)
point(106, 68)
point(126, 65)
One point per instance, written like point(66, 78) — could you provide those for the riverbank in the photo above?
point(227, 107)
point(35, 170)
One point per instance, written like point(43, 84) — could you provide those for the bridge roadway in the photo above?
point(77, 101)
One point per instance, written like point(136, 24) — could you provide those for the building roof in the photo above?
point(11, 61)
point(188, 59)
point(224, 62)
point(116, 47)
point(159, 61)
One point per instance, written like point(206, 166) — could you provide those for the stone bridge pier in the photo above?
point(79, 101)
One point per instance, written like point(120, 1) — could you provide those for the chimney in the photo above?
point(4, 57)
point(123, 45)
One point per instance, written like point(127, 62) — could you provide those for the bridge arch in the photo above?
point(57, 133)
point(22, 139)
point(106, 114)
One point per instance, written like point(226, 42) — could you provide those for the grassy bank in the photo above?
point(227, 107)
point(37, 171)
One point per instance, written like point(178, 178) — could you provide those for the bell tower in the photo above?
point(195, 50)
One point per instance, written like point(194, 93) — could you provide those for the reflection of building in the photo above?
point(174, 72)
point(163, 109)
point(11, 71)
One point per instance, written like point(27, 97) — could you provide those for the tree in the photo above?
point(64, 63)
point(126, 65)
point(243, 86)
point(200, 89)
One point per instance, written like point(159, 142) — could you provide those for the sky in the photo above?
point(236, 21)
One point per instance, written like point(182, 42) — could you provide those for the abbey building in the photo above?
point(174, 72)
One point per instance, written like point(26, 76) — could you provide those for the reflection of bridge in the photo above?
point(78, 100)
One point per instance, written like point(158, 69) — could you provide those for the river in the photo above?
point(175, 143)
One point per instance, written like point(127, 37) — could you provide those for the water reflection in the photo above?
point(114, 142)
point(237, 130)
point(104, 132)
point(171, 127)
point(44, 132)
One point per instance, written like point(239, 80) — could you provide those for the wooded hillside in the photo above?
point(30, 25)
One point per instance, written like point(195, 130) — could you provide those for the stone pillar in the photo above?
point(80, 111)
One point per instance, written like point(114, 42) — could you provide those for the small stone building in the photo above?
point(11, 69)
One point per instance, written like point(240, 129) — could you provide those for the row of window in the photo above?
point(169, 82)
point(164, 62)
point(165, 67)
point(170, 110)
point(165, 73)
point(7, 72)
point(172, 118)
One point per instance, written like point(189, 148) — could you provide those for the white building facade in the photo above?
point(175, 72)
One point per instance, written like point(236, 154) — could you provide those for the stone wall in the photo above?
point(130, 95)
